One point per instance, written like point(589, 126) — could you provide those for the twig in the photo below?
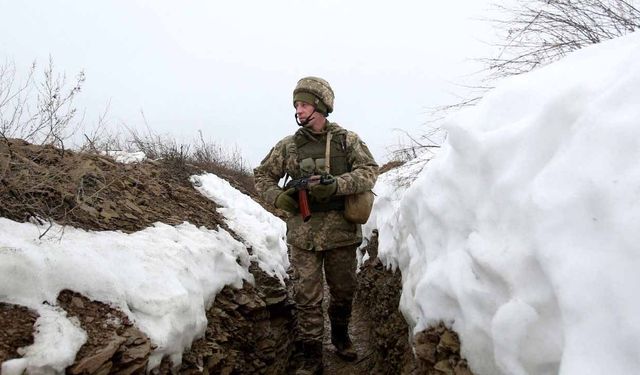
point(45, 232)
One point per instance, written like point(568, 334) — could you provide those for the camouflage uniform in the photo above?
point(327, 237)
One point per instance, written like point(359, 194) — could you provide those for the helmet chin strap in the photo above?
point(307, 121)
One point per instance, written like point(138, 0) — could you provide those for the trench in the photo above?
point(250, 330)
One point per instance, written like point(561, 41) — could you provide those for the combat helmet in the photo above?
point(315, 91)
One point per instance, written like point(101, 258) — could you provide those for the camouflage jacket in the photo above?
point(328, 229)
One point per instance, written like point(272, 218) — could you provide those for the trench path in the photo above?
point(334, 365)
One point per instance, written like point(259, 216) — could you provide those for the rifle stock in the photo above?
point(303, 202)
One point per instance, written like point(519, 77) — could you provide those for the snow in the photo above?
point(389, 189)
point(522, 233)
point(42, 357)
point(163, 277)
point(263, 232)
point(126, 157)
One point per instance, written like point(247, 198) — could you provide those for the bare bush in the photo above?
point(208, 151)
point(38, 111)
point(41, 111)
point(101, 136)
point(184, 157)
point(412, 147)
point(538, 32)
point(534, 33)
point(158, 147)
point(13, 99)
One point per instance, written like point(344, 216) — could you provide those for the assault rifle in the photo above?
point(302, 185)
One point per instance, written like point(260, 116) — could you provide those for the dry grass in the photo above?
point(185, 159)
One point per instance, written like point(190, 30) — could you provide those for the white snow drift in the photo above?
point(523, 232)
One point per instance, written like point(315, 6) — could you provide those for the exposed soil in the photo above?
point(94, 192)
point(249, 331)
point(16, 329)
point(359, 332)
point(379, 297)
point(113, 344)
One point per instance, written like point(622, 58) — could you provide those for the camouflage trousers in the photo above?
point(340, 272)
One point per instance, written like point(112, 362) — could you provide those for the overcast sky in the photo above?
point(228, 67)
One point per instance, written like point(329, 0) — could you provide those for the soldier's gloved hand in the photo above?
point(284, 201)
point(322, 192)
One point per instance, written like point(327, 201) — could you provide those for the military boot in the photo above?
point(341, 340)
point(311, 361)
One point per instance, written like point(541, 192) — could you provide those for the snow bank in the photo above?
point(263, 232)
point(389, 189)
point(162, 277)
point(523, 231)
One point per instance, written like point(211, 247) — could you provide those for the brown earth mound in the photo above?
point(94, 192)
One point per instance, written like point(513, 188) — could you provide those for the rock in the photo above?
point(91, 364)
point(137, 368)
point(105, 369)
point(77, 302)
point(462, 368)
point(444, 366)
point(113, 344)
point(449, 341)
point(245, 334)
point(273, 300)
point(427, 352)
point(214, 360)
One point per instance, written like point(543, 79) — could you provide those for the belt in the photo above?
point(332, 205)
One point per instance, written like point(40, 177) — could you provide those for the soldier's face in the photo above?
point(303, 110)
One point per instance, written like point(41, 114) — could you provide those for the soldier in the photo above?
point(327, 239)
